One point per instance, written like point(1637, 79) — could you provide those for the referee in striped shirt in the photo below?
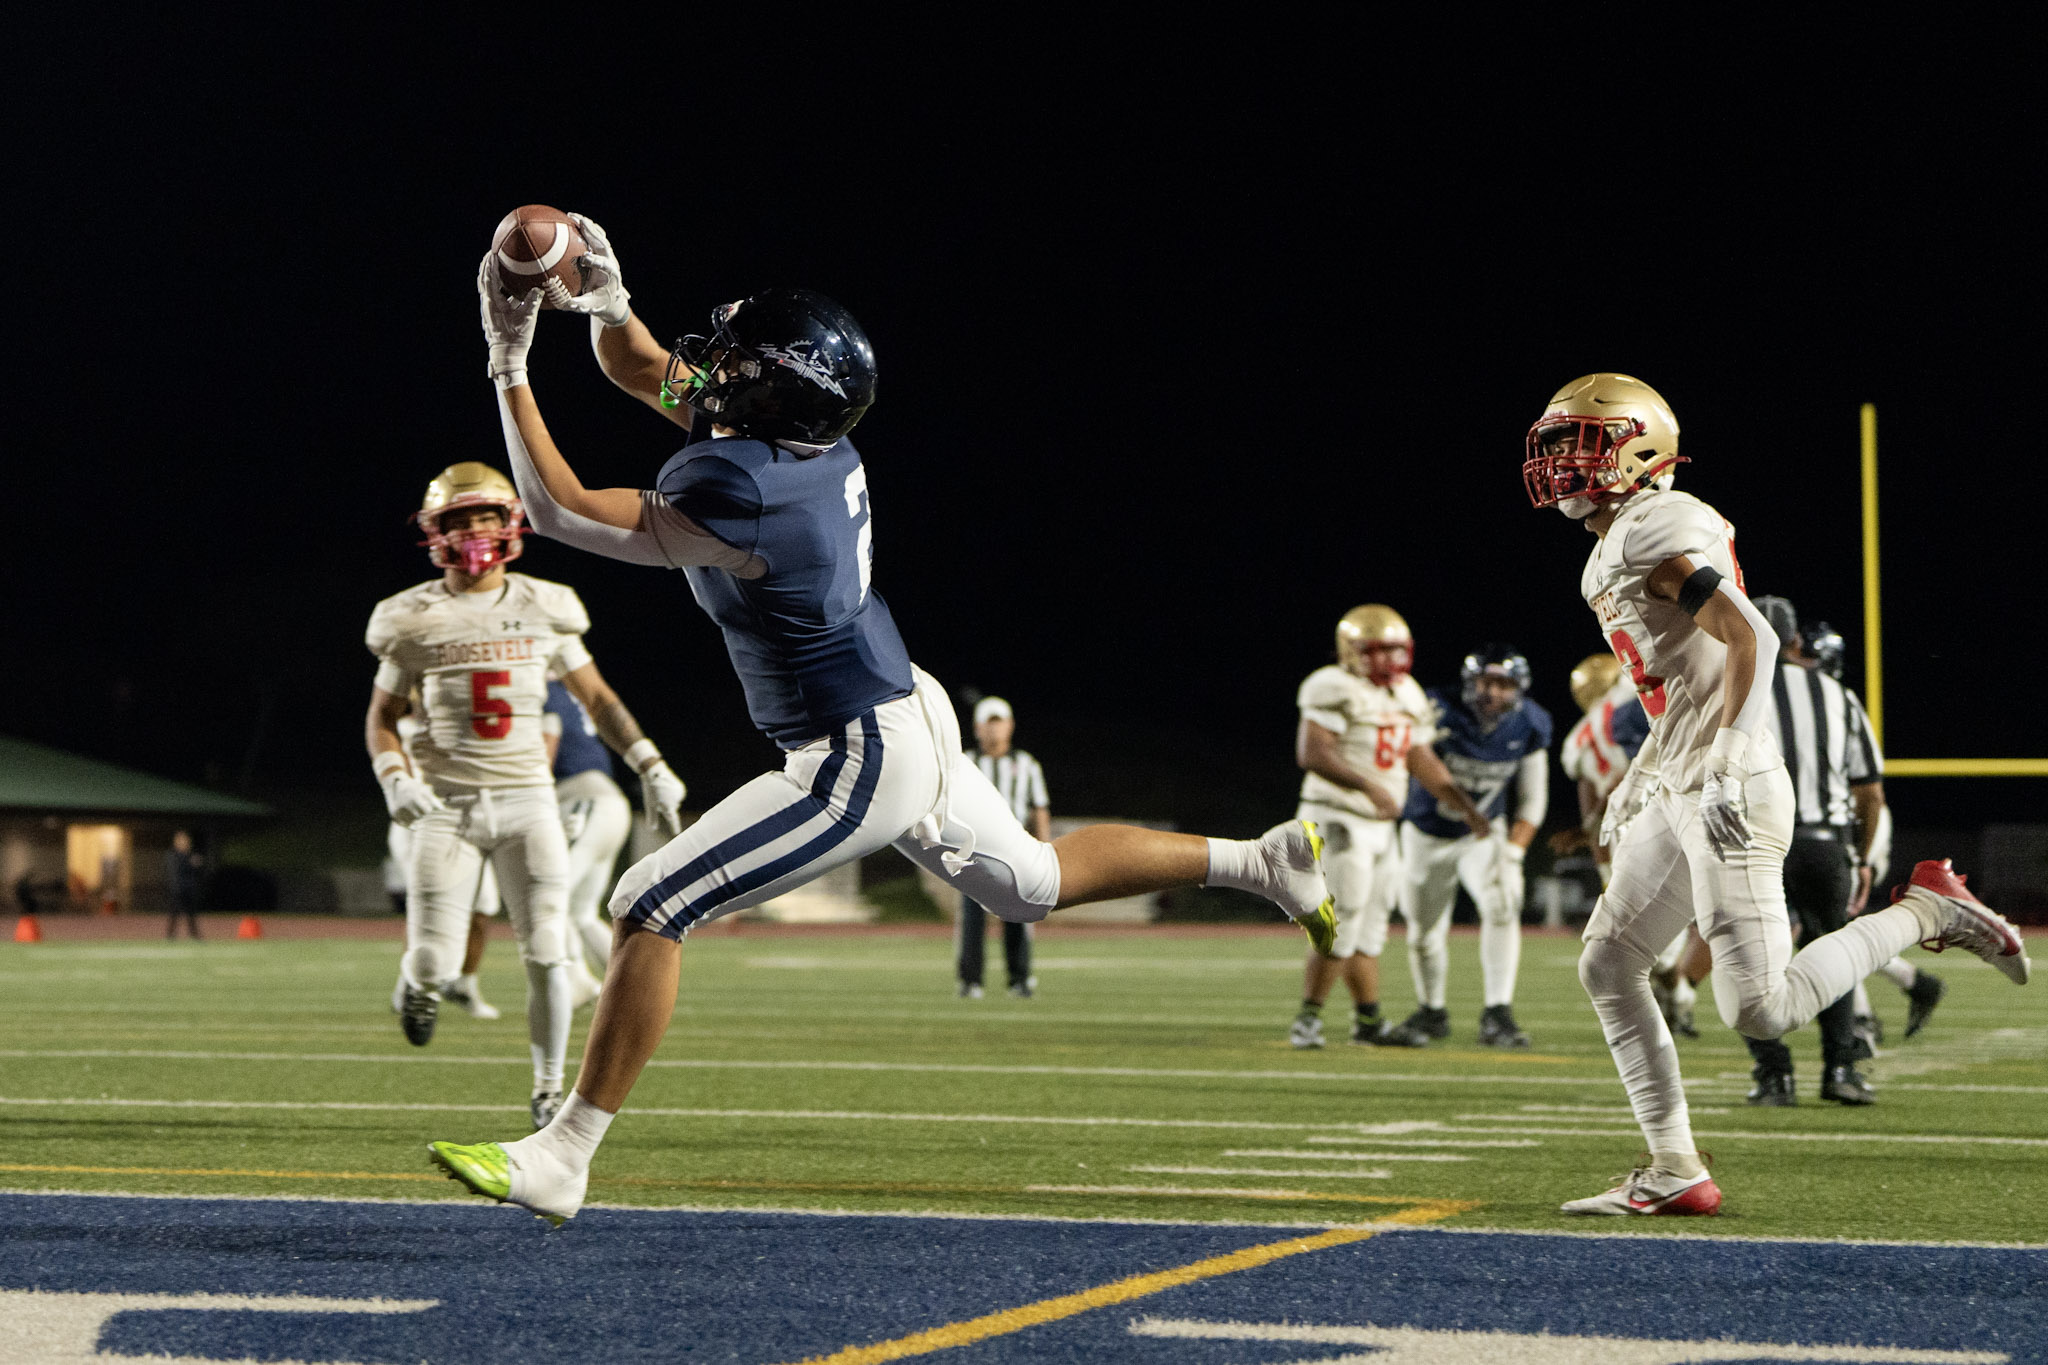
point(1021, 781)
point(1838, 776)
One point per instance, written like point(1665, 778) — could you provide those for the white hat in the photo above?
point(991, 708)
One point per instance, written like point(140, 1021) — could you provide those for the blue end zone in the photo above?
point(667, 1285)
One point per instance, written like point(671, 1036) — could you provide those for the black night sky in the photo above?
point(1187, 344)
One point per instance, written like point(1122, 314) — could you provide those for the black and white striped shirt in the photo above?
point(1020, 780)
point(1826, 740)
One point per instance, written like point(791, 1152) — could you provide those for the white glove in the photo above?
point(1508, 871)
point(663, 792)
point(1638, 785)
point(407, 798)
point(575, 819)
point(604, 295)
point(508, 326)
point(1724, 811)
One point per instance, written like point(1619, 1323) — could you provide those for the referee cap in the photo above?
point(991, 708)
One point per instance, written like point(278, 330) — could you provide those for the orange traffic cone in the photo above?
point(27, 930)
point(251, 928)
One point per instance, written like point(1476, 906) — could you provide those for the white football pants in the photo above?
point(1665, 876)
point(1432, 869)
point(398, 843)
point(518, 830)
point(1362, 864)
point(895, 775)
point(593, 858)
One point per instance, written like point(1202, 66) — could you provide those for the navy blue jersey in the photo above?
point(814, 646)
point(1631, 726)
point(581, 750)
point(1486, 763)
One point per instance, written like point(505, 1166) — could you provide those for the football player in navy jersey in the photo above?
point(1496, 743)
point(596, 817)
point(766, 510)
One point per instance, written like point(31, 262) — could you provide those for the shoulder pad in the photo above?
point(1668, 525)
point(387, 621)
point(1328, 686)
point(559, 602)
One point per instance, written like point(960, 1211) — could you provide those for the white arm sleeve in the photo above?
point(1532, 787)
point(557, 522)
point(1756, 707)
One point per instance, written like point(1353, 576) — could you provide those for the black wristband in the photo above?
point(1696, 590)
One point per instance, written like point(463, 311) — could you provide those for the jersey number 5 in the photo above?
point(1650, 689)
point(490, 717)
point(864, 540)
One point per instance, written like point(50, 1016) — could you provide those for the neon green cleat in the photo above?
point(547, 1189)
point(1321, 927)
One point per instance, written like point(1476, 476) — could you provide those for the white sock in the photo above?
point(547, 1022)
point(1236, 863)
point(573, 1135)
point(1860, 1006)
point(1643, 1053)
point(1685, 1165)
point(466, 984)
point(1500, 958)
point(1430, 967)
point(1902, 973)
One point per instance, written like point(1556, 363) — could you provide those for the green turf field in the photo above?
point(1150, 1078)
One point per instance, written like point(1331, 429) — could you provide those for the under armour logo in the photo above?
point(508, 625)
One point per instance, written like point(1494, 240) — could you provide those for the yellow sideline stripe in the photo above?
point(1965, 767)
point(1137, 1286)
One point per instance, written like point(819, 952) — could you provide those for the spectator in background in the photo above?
point(185, 879)
point(1017, 776)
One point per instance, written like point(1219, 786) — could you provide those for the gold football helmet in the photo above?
point(1600, 437)
point(1595, 676)
point(1373, 642)
point(473, 549)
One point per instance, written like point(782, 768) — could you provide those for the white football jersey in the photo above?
point(1590, 752)
point(481, 662)
point(1676, 667)
point(1375, 727)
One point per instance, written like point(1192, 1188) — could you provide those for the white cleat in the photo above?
point(1291, 854)
point(1972, 925)
point(542, 1183)
point(583, 985)
point(1650, 1191)
point(471, 999)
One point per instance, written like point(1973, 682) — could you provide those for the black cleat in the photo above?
point(417, 1012)
point(1773, 1089)
point(1845, 1085)
point(1924, 994)
point(1431, 1023)
point(1497, 1028)
point(1377, 1032)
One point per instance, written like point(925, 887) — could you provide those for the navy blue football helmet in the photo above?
point(1493, 660)
point(780, 365)
point(1825, 644)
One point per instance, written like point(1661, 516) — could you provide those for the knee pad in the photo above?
point(432, 964)
point(1023, 894)
point(1609, 968)
point(547, 942)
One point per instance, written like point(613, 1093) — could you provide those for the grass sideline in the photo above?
point(1149, 1079)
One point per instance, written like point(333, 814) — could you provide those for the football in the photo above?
point(533, 243)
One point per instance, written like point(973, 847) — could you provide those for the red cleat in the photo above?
point(1972, 925)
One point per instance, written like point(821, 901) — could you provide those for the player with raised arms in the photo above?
point(1709, 846)
point(476, 644)
point(766, 509)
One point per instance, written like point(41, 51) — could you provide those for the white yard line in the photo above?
point(1347, 1156)
point(1930, 1138)
point(1259, 1170)
point(1430, 1142)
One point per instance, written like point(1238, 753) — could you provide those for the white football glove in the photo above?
point(1724, 811)
point(1508, 871)
point(604, 295)
point(575, 818)
point(408, 798)
point(508, 326)
point(1637, 787)
point(664, 793)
